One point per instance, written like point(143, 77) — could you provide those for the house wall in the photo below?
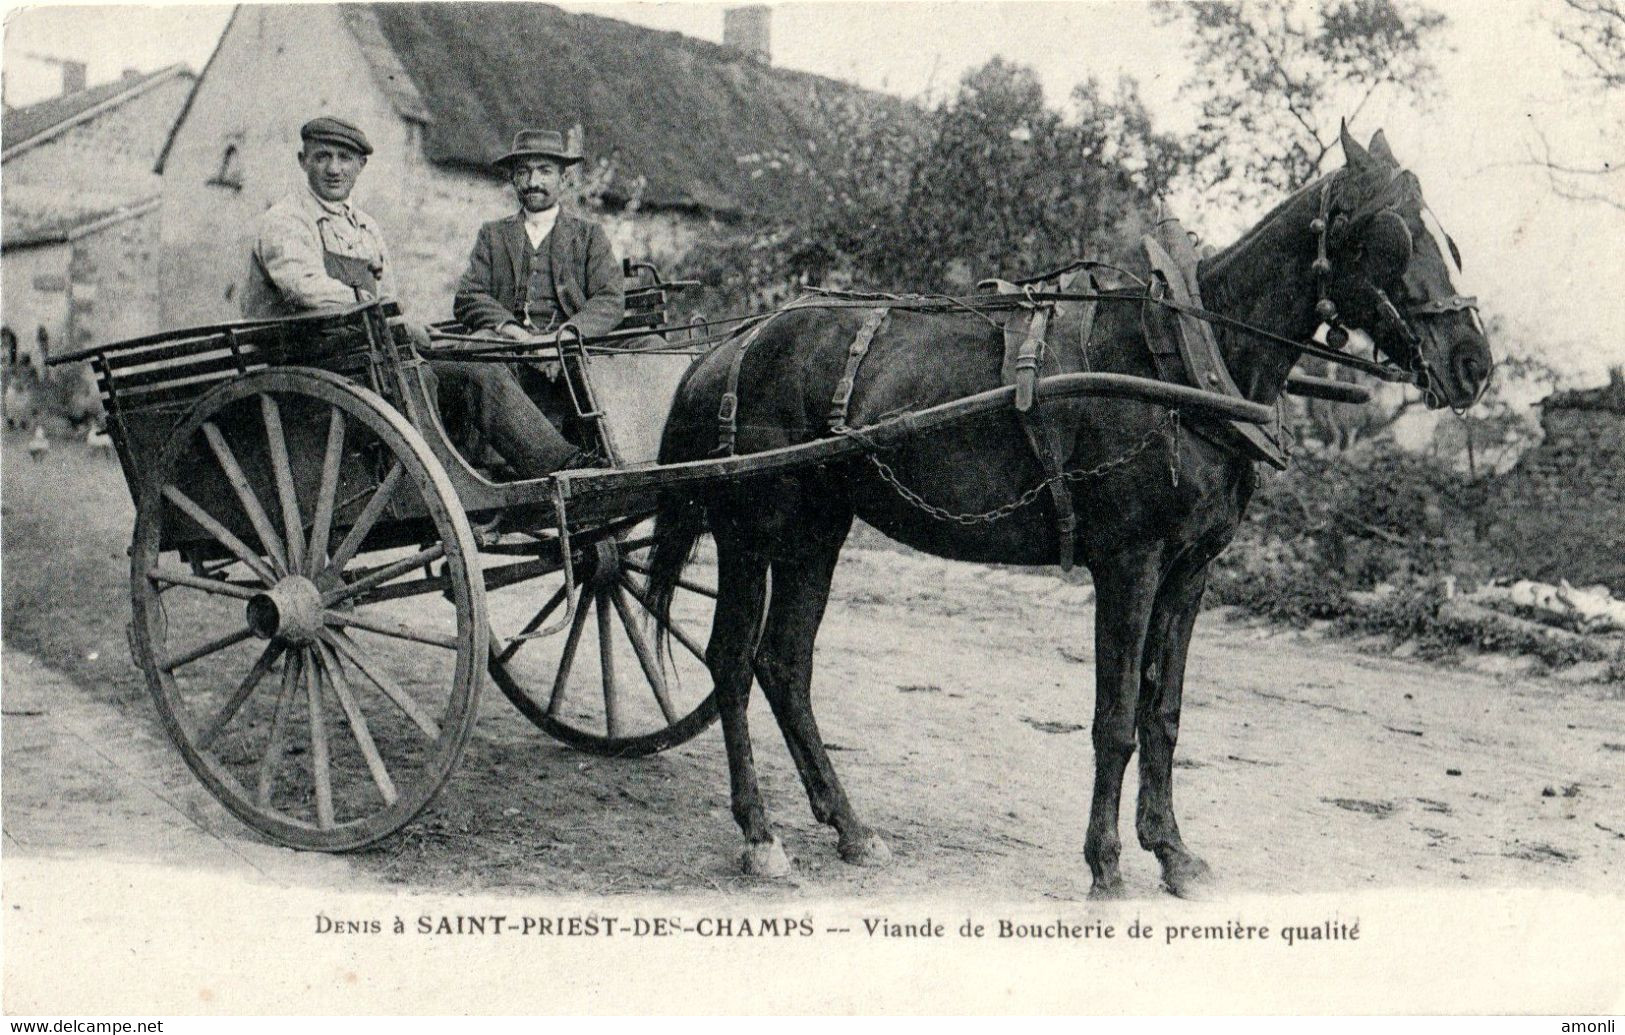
point(34, 285)
point(101, 164)
point(113, 282)
point(276, 67)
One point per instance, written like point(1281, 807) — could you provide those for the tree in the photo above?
point(1008, 185)
point(991, 181)
point(1594, 31)
point(1274, 79)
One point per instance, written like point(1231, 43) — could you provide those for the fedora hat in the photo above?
point(539, 143)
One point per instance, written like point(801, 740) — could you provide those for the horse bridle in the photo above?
point(1381, 211)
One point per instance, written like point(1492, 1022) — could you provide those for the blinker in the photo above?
point(1387, 245)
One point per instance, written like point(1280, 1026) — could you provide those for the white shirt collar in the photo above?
point(337, 208)
point(539, 224)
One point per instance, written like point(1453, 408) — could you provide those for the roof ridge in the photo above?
point(73, 115)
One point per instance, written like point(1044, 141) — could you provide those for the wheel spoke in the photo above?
point(322, 526)
point(384, 627)
point(283, 470)
point(320, 764)
point(352, 652)
point(225, 589)
point(692, 587)
point(221, 533)
point(646, 655)
point(358, 724)
point(384, 574)
point(219, 643)
point(627, 546)
point(369, 517)
point(246, 496)
point(568, 658)
point(676, 630)
point(606, 665)
point(267, 658)
point(535, 623)
point(291, 666)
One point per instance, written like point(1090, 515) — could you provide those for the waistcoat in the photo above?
point(539, 307)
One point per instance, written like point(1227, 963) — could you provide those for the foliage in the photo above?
point(991, 181)
point(1376, 542)
point(1275, 77)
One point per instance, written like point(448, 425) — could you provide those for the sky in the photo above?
point(1551, 267)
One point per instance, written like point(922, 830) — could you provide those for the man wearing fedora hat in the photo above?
point(539, 274)
point(316, 250)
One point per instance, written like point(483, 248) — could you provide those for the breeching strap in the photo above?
point(854, 358)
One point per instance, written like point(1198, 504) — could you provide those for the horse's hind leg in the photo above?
point(1126, 589)
point(1162, 688)
point(741, 591)
point(784, 662)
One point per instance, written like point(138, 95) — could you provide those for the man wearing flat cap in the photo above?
point(540, 273)
point(316, 250)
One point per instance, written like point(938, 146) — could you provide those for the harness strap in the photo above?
point(1029, 357)
point(854, 358)
point(728, 409)
point(1041, 436)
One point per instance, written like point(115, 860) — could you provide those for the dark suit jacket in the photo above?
point(587, 277)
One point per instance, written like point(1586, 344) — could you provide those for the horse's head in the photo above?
point(1384, 266)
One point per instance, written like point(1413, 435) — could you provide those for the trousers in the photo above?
point(517, 428)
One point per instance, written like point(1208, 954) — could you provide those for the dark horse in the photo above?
point(1145, 535)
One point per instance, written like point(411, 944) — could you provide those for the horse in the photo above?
point(1350, 249)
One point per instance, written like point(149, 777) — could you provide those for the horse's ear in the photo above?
point(1356, 157)
point(1379, 149)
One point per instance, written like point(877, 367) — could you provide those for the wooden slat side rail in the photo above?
point(284, 328)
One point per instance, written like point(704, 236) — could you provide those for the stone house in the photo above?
point(1561, 510)
point(79, 210)
point(440, 89)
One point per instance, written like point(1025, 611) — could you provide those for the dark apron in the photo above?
point(353, 272)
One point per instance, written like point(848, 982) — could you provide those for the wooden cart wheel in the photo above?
point(319, 684)
point(628, 701)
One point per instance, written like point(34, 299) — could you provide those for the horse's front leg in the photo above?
point(1125, 591)
point(1162, 687)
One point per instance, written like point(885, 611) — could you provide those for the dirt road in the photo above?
point(956, 699)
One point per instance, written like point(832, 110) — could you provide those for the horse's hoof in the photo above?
point(765, 860)
point(1187, 877)
point(1108, 891)
point(867, 850)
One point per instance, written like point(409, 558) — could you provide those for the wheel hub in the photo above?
point(290, 611)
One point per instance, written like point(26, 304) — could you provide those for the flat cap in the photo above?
point(326, 127)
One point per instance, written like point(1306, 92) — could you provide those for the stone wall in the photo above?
point(99, 165)
point(114, 283)
point(1561, 510)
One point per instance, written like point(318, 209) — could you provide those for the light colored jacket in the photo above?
point(287, 272)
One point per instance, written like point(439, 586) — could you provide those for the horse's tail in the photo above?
point(680, 520)
point(679, 525)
